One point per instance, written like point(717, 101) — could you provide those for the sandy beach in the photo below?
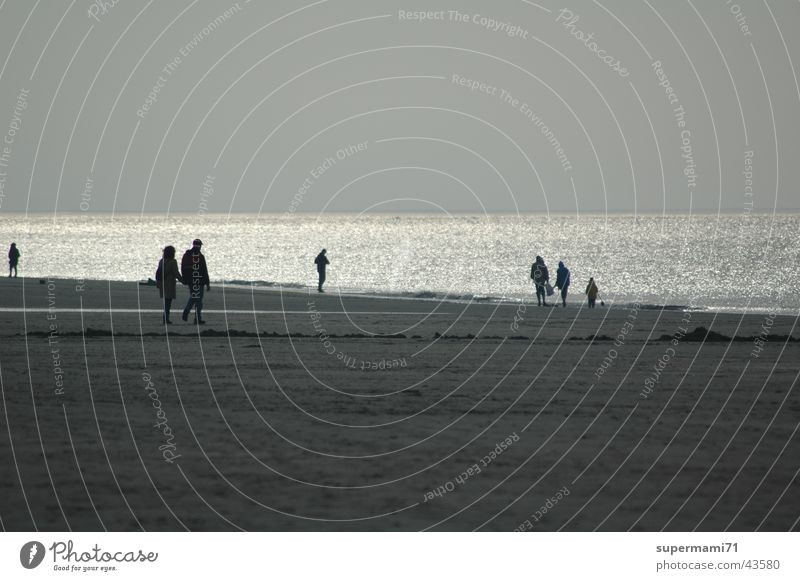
point(306, 411)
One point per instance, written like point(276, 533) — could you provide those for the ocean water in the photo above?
point(728, 262)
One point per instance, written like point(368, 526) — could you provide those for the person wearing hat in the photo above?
point(195, 275)
point(321, 261)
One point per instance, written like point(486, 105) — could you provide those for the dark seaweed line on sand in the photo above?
point(700, 334)
point(89, 333)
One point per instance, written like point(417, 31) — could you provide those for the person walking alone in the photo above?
point(13, 259)
point(562, 282)
point(540, 276)
point(591, 292)
point(195, 275)
point(321, 261)
point(167, 277)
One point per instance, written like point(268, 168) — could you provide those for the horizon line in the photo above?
point(721, 212)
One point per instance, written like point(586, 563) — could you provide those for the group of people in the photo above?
point(193, 273)
point(541, 281)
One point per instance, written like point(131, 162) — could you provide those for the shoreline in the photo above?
point(575, 301)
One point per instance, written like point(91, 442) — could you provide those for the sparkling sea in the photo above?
point(727, 262)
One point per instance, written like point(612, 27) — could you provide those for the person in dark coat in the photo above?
point(167, 277)
point(195, 275)
point(540, 276)
point(562, 281)
point(13, 259)
point(321, 261)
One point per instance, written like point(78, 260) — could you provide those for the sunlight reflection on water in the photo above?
point(725, 262)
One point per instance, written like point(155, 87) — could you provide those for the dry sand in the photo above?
point(272, 424)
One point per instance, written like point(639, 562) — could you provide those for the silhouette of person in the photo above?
point(562, 281)
point(195, 275)
point(13, 259)
point(591, 292)
point(167, 276)
point(321, 261)
point(540, 276)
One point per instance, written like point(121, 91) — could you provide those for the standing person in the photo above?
point(195, 275)
point(13, 259)
point(321, 261)
point(562, 281)
point(167, 277)
point(591, 292)
point(540, 276)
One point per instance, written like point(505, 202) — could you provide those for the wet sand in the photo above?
point(300, 411)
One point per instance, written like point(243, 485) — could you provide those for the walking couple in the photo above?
point(541, 280)
point(193, 273)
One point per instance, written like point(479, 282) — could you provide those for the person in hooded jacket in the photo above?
point(540, 276)
point(562, 282)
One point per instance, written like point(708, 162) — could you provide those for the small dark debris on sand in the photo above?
point(471, 337)
point(704, 335)
point(701, 334)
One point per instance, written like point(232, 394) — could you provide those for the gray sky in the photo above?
point(503, 106)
